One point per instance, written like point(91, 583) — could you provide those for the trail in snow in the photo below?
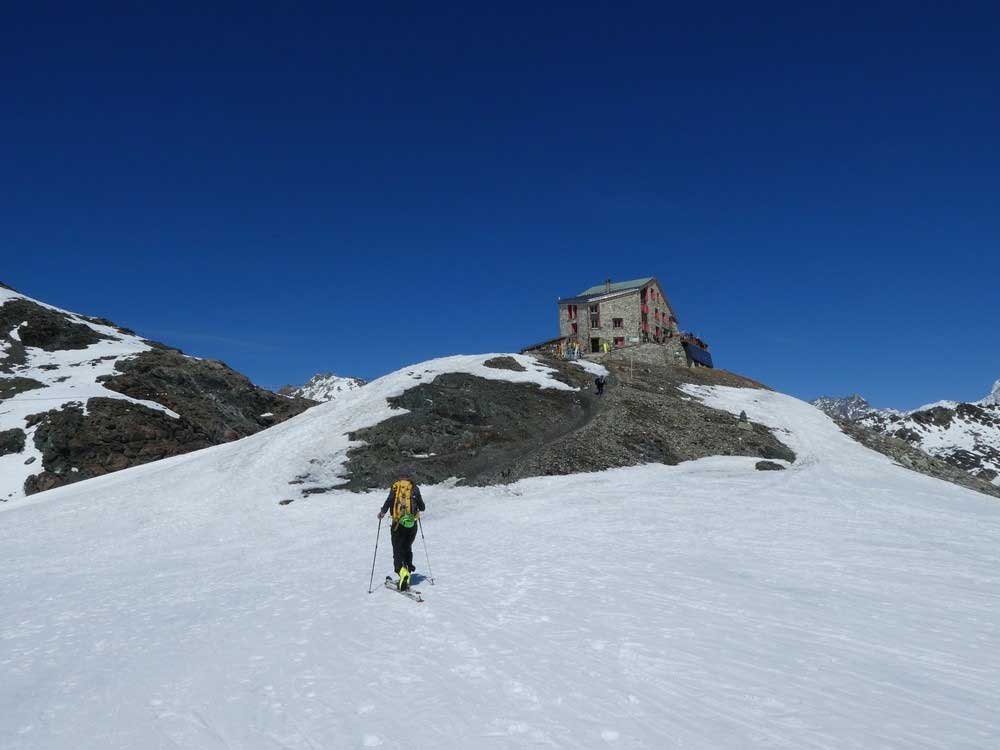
point(843, 603)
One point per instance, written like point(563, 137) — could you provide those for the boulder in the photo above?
point(11, 441)
point(504, 363)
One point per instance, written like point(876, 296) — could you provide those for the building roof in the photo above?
point(619, 286)
point(601, 291)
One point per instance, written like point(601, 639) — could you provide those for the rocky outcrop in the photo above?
point(504, 363)
point(44, 328)
point(488, 431)
point(113, 434)
point(86, 372)
point(223, 403)
point(10, 387)
point(11, 441)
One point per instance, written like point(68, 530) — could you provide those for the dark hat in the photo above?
point(406, 471)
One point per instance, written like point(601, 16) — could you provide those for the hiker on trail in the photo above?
point(406, 504)
point(599, 381)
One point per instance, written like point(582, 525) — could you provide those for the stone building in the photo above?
point(614, 315)
point(624, 318)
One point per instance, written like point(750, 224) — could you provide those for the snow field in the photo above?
point(843, 603)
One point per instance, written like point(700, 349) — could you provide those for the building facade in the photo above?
point(615, 315)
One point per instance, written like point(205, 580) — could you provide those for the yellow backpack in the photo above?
point(402, 505)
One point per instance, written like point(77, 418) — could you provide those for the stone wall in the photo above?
point(670, 353)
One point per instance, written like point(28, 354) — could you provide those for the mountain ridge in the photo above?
point(964, 434)
point(82, 396)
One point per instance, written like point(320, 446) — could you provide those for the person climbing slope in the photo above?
point(406, 504)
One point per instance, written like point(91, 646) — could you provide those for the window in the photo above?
point(571, 312)
point(595, 316)
point(573, 326)
point(619, 341)
point(617, 323)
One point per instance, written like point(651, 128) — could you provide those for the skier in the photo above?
point(406, 504)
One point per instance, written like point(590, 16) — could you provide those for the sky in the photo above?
point(295, 188)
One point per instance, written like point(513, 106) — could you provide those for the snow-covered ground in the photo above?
point(843, 603)
point(592, 367)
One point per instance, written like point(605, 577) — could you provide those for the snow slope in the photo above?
point(843, 603)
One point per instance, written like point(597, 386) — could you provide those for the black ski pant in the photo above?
point(402, 546)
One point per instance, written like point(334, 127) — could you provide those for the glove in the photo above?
point(381, 515)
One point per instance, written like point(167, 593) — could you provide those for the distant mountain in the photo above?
point(966, 435)
point(994, 398)
point(81, 397)
point(323, 387)
point(851, 408)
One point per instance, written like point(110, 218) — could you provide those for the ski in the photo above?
point(409, 593)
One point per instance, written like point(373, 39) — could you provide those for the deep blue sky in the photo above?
point(295, 188)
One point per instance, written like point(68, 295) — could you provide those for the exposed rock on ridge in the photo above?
point(488, 432)
point(964, 435)
point(81, 396)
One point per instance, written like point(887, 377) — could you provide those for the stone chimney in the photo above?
point(607, 285)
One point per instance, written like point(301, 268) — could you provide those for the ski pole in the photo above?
point(377, 535)
point(430, 573)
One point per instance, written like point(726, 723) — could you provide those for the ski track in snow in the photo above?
point(843, 603)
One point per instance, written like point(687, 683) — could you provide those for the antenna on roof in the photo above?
point(607, 285)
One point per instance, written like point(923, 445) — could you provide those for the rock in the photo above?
point(489, 431)
point(221, 401)
point(317, 491)
point(10, 387)
point(113, 435)
point(286, 502)
point(30, 461)
point(768, 466)
point(46, 329)
point(11, 441)
point(504, 363)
